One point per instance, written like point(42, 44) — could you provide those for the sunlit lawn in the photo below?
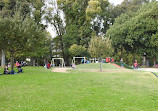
point(38, 89)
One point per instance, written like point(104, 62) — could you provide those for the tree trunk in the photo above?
point(144, 60)
point(100, 64)
point(62, 48)
point(154, 60)
point(12, 62)
point(147, 63)
point(45, 62)
point(3, 59)
point(134, 58)
point(33, 61)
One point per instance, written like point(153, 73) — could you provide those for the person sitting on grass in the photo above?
point(73, 66)
point(6, 70)
point(17, 64)
point(11, 72)
point(20, 70)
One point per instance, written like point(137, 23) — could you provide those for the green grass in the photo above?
point(96, 66)
point(38, 89)
point(2, 70)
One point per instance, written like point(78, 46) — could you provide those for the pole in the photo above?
point(100, 64)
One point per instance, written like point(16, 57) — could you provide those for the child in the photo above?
point(48, 65)
point(135, 65)
point(6, 70)
point(17, 64)
point(73, 66)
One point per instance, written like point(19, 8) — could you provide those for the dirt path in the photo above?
point(149, 69)
point(64, 70)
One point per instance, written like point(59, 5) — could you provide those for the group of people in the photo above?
point(6, 69)
point(82, 61)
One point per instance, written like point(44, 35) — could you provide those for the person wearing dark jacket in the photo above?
point(11, 72)
point(20, 70)
point(6, 70)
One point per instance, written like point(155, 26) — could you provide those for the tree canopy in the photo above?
point(135, 31)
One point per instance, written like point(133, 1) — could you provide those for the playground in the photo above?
point(78, 55)
point(93, 67)
point(78, 89)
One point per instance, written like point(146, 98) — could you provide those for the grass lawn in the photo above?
point(96, 66)
point(38, 89)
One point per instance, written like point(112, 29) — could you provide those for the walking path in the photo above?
point(149, 69)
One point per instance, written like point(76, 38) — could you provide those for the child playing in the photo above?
point(135, 65)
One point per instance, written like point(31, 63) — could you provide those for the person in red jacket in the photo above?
point(48, 65)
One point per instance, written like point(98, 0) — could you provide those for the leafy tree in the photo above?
point(8, 7)
point(69, 29)
point(75, 26)
point(19, 34)
point(27, 8)
point(145, 29)
point(118, 33)
point(136, 31)
point(100, 47)
point(98, 14)
point(126, 6)
point(77, 50)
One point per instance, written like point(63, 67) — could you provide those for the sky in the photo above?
point(50, 28)
point(116, 2)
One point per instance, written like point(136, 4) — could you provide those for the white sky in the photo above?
point(116, 2)
point(50, 28)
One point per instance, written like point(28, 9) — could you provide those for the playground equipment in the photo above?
point(62, 61)
point(93, 60)
point(74, 58)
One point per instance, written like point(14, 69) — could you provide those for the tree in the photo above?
point(77, 51)
point(100, 47)
point(75, 26)
point(53, 16)
point(126, 6)
point(118, 33)
point(98, 14)
point(136, 31)
point(27, 8)
point(19, 34)
point(145, 29)
point(7, 9)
